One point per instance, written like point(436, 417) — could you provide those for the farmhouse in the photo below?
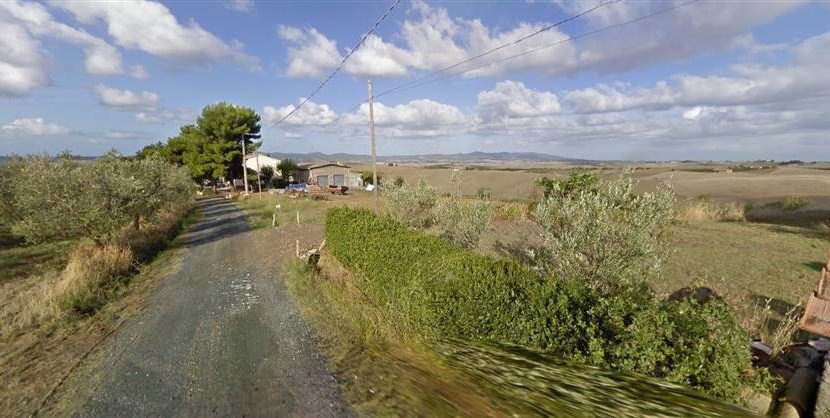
point(256, 160)
point(327, 174)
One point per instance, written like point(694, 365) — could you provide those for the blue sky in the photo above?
point(707, 80)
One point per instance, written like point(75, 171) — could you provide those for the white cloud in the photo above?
point(151, 27)
point(311, 114)
point(22, 65)
point(432, 39)
point(125, 99)
point(421, 118)
point(511, 99)
point(138, 71)
point(806, 76)
point(683, 32)
point(33, 127)
point(241, 5)
point(101, 57)
point(311, 53)
point(162, 116)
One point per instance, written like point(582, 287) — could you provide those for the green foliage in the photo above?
point(428, 287)
point(211, 148)
point(287, 168)
point(463, 221)
point(575, 183)
point(47, 200)
point(606, 235)
point(411, 205)
point(399, 181)
point(267, 173)
point(794, 203)
point(366, 177)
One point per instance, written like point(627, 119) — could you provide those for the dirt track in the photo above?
point(221, 337)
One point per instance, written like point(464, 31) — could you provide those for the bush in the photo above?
point(463, 221)
point(411, 205)
point(794, 203)
point(606, 236)
point(52, 199)
point(704, 209)
point(427, 287)
point(575, 183)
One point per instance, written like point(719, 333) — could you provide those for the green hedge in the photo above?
point(432, 288)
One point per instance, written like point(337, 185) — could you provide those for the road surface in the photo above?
point(221, 337)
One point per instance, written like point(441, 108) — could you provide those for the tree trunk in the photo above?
point(137, 222)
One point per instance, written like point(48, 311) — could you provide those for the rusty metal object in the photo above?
point(816, 317)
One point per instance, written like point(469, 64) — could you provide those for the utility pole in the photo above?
point(258, 181)
point(374, 149)
point(244, 166)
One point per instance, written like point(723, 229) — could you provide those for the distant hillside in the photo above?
point(471, 157)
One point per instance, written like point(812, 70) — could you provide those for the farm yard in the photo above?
point(760, 245)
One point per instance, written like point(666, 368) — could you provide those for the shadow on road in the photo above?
point(220, 219)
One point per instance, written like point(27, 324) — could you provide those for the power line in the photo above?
point(342, 62)
point(559, 42)
point(530, 51)
point(498, 48)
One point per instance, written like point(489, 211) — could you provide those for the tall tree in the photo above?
point(211, 148)
point(222, 126)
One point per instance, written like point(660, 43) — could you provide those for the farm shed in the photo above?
point(256, 160)
point(329, 174)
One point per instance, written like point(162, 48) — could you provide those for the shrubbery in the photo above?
point(47, 199)
point(605, 234)
point(463, 221)
point(411, 205)
point(428, 287)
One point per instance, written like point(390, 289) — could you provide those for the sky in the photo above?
point(630, 79)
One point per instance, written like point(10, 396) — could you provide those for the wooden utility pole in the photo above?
point(244, 167)
point(374, 149)
point(258, 181)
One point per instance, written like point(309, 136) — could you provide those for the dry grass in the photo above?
point(706, 210)
point(774, 327)
point(511, 211)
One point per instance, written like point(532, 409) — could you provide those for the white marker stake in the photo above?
point(298, 217)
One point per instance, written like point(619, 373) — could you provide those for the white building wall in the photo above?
point(264, 160)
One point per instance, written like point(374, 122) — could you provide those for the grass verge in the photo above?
point(382, 372)
point(42, 344)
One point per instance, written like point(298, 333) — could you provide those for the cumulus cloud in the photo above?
point(432, 39)
point(422, 118)
point(311, 54)
point(511, 99)
point(21, 56)
point(22, 65)
point(311, 114)
point(151, 27)
point(33, 127)
point(125, 99)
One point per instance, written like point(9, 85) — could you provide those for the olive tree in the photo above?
point(606, 235)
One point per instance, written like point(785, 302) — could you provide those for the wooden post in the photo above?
point(244, 167)
point(258, 182)
point(374, 150)
point(297, 248)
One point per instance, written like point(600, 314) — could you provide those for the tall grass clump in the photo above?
point(91, 276)
point(411, 205)
point(429, 288)
point(703, 209)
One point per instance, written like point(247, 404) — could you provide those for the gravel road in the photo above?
point(221, 337)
